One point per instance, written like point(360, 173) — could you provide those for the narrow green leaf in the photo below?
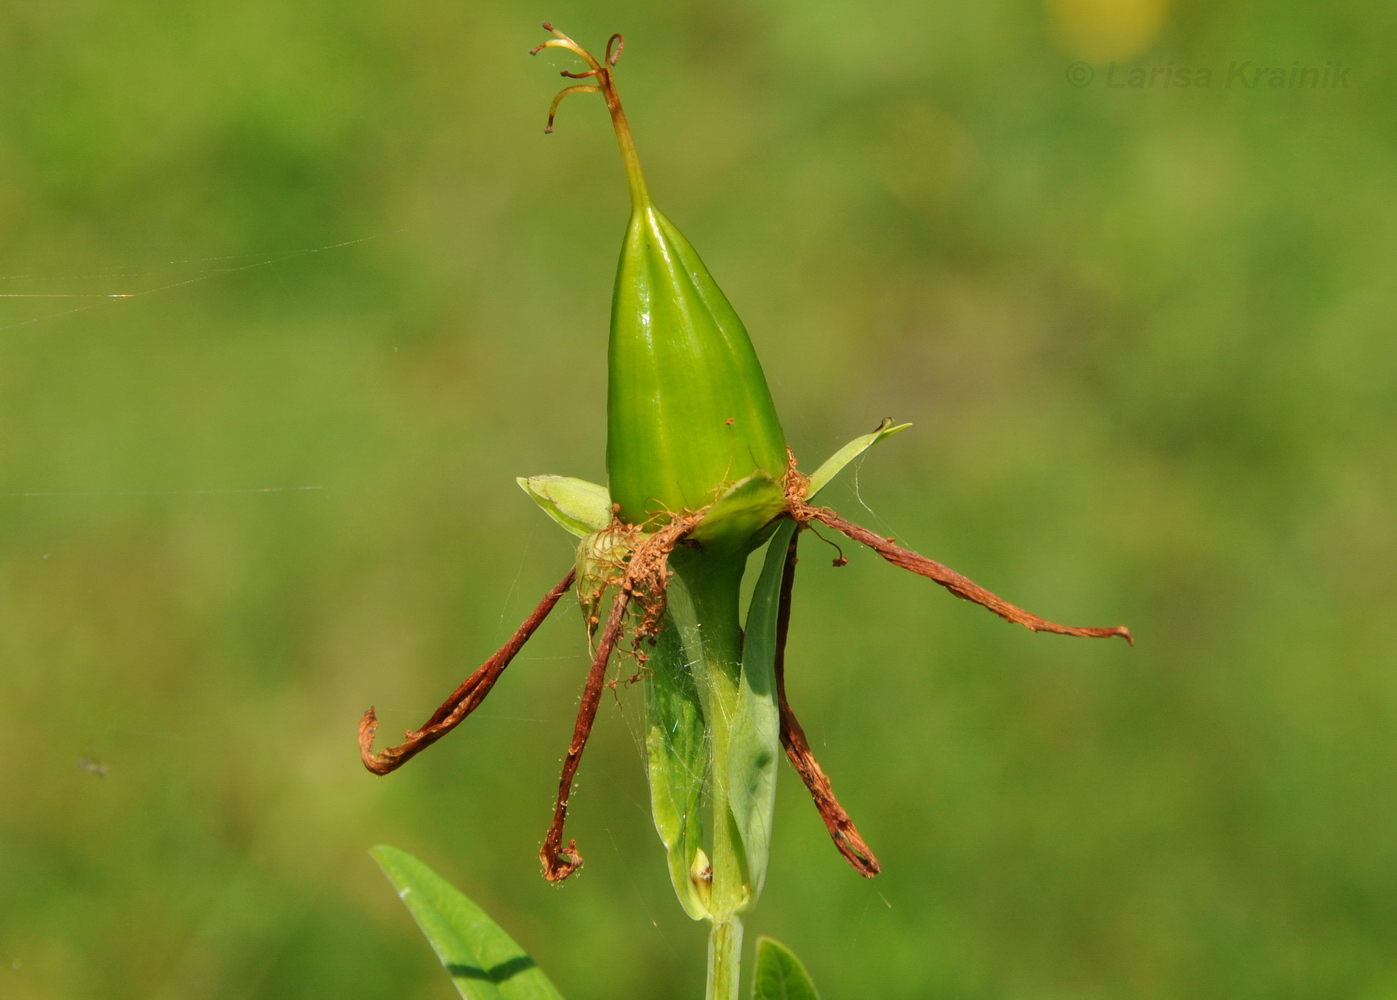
point(482, 960)
point(755, 744)
point(836, 462)
point(579, 506)
point(780, 976)
point(677, 746)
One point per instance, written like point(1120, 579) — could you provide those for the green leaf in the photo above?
point(482, 960)
point(677, 747)
point(780, 976)
point(739, 512)
point(836, 462)
point(755, 744)
point(579, 506)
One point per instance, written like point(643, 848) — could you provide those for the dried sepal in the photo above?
point(961, 586)
point(644, 583)
point(463, 701)
point(841, 828)
point(560, 862)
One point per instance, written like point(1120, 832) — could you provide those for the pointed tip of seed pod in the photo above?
point(547, 25)
point(1124, 633)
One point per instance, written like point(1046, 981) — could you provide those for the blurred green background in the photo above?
point(1146, 337)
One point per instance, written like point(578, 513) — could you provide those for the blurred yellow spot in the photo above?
point(1102, 31)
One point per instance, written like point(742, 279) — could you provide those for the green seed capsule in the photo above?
point(688, 408)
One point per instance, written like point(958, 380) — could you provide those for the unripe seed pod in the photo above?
point(688, 408)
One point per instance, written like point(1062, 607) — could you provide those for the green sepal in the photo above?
point(483, 961)
point(579, 506)
point(676, 743)
point(754, 746)
point(780, 975)
point(836, 462)
point(739, 513)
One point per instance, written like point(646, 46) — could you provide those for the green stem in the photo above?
point(724, 959)
point(714, 583)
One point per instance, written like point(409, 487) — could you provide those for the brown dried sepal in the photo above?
point(841, 828)
point(463, 700)
point(559, 863)
point(961, 586)
point(644, 581)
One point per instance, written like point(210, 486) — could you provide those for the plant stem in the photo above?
point(729, 893)
point(724, 959)
point(714, 581)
